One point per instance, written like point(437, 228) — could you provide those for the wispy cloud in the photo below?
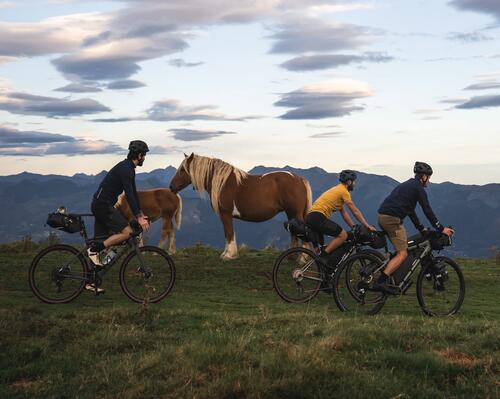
point(125, 84)
point(469, 37)
point(51, 107)
point(481, 102)
point(328, 99)
point(314, 35)
point(197, 135)
point(326, 61)
point(483, 86)
point(180, 63)
point(491, 7)
point(174, 110)
point(35, 143)
point(78, 88)
point(326, 135)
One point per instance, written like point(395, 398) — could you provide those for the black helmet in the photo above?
point(138, 146)
point(347, 175)
point(422, 168)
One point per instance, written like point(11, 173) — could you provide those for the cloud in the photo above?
point(325, 61)
point(485, 6)
point(483, 86)
point(34, 143)
point(125, 84)
point(329, 99)
point(117, 120)
point(111, 45)
point(117, 59)
point(50, 107)
point(308, 34)
point(180, 63)
point(196, 135)
point(453, 101)
point(78, 88)
point(326, 135)
point(50, 36)
point(469, 37)
point(173, 110)
point(481, 102)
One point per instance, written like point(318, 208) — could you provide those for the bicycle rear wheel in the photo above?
point(297, 276)
point(58, 274)
point(441, 287)
point(353, 282)
point(141, 287)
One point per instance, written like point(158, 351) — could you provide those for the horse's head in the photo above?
point(182, 178)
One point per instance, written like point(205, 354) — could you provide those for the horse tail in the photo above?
point(178, 213)
point(309, 197)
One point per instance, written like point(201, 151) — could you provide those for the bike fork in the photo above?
point(143, 267)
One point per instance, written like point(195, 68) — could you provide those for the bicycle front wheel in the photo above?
point(58, 274)
point(441, 287)
point(353, 285)
point(297, 275)
point(148, 280)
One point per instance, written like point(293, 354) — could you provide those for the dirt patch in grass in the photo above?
point(458, 358)
point(23, 383)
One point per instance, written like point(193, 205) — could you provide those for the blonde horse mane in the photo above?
point(200, 169)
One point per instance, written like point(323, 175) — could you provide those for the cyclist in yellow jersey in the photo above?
point(331, 201)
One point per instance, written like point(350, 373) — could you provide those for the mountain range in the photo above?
point(27, 198)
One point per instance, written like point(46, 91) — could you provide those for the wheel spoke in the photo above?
point(296, 275)
point(57, 274)
point(151, 283)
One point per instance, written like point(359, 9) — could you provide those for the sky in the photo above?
point(367, 85)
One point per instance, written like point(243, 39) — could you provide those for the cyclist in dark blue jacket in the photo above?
point(400, 203)
point(121, 178)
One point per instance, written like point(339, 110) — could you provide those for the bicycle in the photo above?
point(440, 284)
point(58, 274)
point(299, 273)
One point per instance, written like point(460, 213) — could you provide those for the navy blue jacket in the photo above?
point(402, 202)
point(120, 178)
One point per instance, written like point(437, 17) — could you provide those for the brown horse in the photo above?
point(236, 194)
point(155, 204)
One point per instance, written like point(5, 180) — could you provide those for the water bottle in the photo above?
point(108, 256)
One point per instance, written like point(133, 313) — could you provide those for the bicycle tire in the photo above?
point(426, 277)
point(345, 298)
point(56, 277)
point(283, 279)
point(141, 283)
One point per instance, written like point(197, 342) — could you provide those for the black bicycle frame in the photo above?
point(405, 283)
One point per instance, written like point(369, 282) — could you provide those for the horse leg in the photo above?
point(164, 228)
point(231, 249)
point(170, 236)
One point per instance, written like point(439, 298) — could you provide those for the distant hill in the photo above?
point(26, 198)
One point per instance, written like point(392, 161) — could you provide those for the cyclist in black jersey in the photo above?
point(108, 220)
point(400, 203)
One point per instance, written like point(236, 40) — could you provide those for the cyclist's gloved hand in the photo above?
point(371, 228)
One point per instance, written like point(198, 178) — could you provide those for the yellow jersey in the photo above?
point(331, 200)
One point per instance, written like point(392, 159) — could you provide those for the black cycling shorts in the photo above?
point(322, 224)
point(108, 220)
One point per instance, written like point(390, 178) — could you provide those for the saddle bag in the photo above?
point(64, 222)
point(303, 231)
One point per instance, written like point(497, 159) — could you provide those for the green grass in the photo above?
point(224, 333)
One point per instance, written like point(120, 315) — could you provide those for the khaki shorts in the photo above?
point(395, 230)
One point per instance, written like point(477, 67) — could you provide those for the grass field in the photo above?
point(224, 333)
